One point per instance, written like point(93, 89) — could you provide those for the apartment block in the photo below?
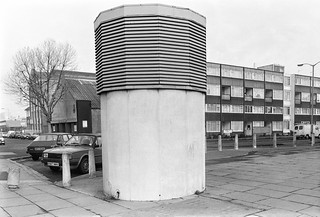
point(301, 89)
point(244, 100)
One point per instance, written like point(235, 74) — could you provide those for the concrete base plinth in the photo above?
point(153, 143)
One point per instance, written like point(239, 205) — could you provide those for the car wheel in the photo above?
point(55, 169)
point(35, 157)
point(84, 165)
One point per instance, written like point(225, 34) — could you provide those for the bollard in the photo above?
point(254, 141)
point(92, 163)
point(236, 142)
point(13, 178)
point(66, 174)
point(275, 140)
point(294, 140)
point(219, 143)
point(312, 139)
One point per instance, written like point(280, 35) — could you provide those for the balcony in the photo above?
point(268, 99)
point(297, 101)
point(248, 98)
point(225, 97)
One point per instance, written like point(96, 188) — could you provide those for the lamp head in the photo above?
point(300, 64)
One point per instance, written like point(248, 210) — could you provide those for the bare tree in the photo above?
point(37, 75)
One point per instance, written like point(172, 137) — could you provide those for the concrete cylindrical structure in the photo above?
point(151, 77)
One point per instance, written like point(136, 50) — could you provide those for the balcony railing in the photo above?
point(225, 97)
point(297, 101)
point(248, 98)
point(268, 99)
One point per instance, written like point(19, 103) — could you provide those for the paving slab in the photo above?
point(309, 200)
point(283, 204)
point(280, 187)
point(235, 187)
point(40, 197)
point(53, 204)
point(314, 193)
point(244, 196)
point(73, 211)
point(25, 210)
point(268, 193)
point(85, 201)
point(311, 211)
point(19, 201)
point(277, 213)
point(106, 208)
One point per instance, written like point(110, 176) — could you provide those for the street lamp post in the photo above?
point(311, 98)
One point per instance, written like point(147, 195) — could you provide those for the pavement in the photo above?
point(248, 182)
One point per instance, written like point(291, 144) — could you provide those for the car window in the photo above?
point(300, 127)
point(65, 138)
point(81, 140)
point(296, 127)
point(46, 137)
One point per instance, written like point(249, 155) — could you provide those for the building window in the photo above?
point(254, 74)
point(213, 89)
point(278, 94)
point(231, 71)
point(226, 108)
point(274, 77)
point(213, 126)
point(302, 111)
point(213, 69)
point(302, 81)
point(258, 93)
point(258, 123)
point(287, 95)
point(237, 126)
point(276, 110)
point(248, 109)
point(236, 91)
point(254, 109)
point(286, 81)
point(305, 97)
point(277, 125)
point(258, 109)
point(213, 107)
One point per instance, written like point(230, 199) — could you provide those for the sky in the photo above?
point(247, 33)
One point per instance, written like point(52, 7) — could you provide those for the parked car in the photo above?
point(3, 134)
point(78, 147)
point(46, 141)
point(33, 136)
point(25, 136)
point(2, 141)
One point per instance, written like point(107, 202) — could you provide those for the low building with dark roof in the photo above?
point(79, 110)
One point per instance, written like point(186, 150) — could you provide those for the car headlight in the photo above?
point(45, 155)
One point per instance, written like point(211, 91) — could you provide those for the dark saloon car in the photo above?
point(77, 147)
point(46, 141)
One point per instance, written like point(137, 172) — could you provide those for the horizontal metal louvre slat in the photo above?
point(150, 51)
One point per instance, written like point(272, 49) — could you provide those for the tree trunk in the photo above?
point(49, 127)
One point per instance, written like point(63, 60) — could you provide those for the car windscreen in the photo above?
point(46, 137)
point(81, 140)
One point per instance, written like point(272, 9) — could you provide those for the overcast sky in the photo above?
point(239, 32)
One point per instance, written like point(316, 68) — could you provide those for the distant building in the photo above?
point(15, 125)
point(301, 99)
point(77, 112)
point(244, 100)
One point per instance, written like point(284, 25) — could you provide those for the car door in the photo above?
point(98, 150)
